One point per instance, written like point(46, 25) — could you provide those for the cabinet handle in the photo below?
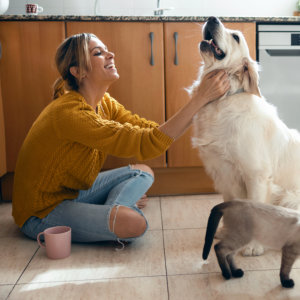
point(176, 54)
point(152, 57)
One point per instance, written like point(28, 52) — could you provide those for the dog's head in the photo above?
point(227, 49)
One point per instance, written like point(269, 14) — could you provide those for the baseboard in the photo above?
point(181, 181)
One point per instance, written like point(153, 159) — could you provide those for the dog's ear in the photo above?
point(250, 77)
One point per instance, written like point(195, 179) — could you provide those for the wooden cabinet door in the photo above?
point(27, 73)
point(2, 138)
point(182, 75)
point(141, 85)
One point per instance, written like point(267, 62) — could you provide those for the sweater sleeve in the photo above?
point(117, 112)
point(77, 122)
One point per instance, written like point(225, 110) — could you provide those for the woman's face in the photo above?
point(103, 68)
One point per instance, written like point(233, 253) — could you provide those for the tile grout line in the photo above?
point(163, 237)
point(91, 279)
point(23, 271)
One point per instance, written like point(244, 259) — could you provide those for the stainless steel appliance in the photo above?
point(279, 57)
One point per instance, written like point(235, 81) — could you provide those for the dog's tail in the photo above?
point(212, 225)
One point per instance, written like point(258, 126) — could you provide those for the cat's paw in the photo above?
point(237, 273)
point(288, 283)
point(226, 275)
point(253, 250)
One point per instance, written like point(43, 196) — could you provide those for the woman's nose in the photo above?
point(110, 54)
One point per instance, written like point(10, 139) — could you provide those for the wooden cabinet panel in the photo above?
point(141, 85)
point(27, 73)
point(178, 77)
point(2, 138)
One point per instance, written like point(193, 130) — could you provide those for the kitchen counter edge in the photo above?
point(288, 19)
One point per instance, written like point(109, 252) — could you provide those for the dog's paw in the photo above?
point(253, 250)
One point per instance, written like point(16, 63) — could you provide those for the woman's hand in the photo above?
point(213, 86)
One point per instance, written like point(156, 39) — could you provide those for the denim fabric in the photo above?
point(88, 215)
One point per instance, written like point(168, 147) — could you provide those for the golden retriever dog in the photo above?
point(246, 149)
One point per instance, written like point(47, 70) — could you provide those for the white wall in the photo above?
point(231, 8)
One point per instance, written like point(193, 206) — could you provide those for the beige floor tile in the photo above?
point(8, 228)
point(15, 254)
point(153, 213)
point(143, 288)
point(144, 257)
point(187, 211)
point(4, 291)
point(255, 285)
point(183, 249)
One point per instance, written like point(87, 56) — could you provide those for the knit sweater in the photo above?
point(67, 146)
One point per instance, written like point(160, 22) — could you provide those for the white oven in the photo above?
point(279, 57)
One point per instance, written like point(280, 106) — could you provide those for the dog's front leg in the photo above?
point(257, 190)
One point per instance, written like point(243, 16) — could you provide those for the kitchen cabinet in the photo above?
point(27, 71)
point(182, 75)
point(141, 85)
point(2, 138)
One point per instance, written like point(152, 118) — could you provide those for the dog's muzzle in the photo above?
point(210, 29)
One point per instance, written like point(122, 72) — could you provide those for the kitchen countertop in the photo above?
point(291, 19)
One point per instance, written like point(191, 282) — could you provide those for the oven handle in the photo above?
point(283, 52)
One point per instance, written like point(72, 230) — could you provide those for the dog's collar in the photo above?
point(239, 91)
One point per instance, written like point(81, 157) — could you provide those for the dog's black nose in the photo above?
point(213, 20)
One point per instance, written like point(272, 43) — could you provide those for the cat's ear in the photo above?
point(250, 77)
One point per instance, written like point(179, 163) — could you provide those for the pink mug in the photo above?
point(33, 9)
point(57, 241)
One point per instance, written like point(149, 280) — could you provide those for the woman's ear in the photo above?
point(74, 71)
point(250, 77)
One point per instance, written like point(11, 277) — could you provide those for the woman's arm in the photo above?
point(213, 86)
point(117, 112)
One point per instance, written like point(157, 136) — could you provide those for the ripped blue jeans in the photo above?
point(88, 215)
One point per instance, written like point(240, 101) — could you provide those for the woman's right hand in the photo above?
point(213, 86)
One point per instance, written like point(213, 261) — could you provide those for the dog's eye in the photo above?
point(236, 37)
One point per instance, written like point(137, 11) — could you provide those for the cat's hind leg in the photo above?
point(221, 252)
point(287, 260)
point(235, 271)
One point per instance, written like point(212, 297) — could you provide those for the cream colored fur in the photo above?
point(245, 147)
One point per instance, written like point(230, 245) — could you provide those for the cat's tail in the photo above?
point(212, 225)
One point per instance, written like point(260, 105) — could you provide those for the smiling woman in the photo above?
point(85, 67)
point(57, 177)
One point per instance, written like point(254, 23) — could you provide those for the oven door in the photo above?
point(280, 81)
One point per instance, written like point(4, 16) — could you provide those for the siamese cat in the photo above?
point(273, 226)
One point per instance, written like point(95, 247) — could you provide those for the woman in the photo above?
point(57, 177)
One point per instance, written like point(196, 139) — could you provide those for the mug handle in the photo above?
point(39, 9)
point(38, 240)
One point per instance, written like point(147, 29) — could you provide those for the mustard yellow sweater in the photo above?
point(67, 146)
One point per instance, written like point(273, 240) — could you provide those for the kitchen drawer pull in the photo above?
point(283, 52)
point(176, 54)
point(152, 56)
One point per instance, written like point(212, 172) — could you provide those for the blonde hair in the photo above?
point(73, 51)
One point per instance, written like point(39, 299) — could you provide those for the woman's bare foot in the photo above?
point(142, 203)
